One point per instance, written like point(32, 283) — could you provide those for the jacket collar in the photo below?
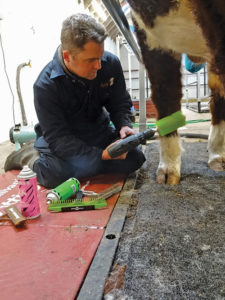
point(59, 68)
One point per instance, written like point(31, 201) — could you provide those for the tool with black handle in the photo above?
point(165, 126)
point(130, 142)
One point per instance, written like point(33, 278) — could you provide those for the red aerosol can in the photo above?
point(28, 193)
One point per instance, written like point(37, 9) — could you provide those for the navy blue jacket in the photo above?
point(75, 113)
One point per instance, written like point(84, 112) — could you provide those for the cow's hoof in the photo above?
point(217, 164)
point(167, 178)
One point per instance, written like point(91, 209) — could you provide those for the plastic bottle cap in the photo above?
point(26, 173)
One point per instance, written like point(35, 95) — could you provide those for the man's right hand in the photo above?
point(106, 156)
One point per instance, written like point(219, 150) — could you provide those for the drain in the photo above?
point(110, 236)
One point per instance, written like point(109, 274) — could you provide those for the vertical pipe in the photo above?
point(23, 113)
point(147, 93)
point(204, 70)
point(118, 46)
point(129, 70)
point(142, 102)
point(198, 92)
point(186, 89)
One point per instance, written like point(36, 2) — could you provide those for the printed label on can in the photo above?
point(28, 195)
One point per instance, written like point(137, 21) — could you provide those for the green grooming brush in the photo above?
point(170, 123)
point(76, 205)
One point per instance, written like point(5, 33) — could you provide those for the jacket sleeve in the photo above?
point(56, 131)
point(119, 103)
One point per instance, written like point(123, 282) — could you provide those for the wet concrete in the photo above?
point(173, 242)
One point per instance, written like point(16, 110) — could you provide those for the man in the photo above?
point(76, 96)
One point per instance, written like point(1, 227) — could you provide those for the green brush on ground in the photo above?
point(76, 205)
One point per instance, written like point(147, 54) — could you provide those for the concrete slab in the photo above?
point(173, 241)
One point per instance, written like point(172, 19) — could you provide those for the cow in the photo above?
point(165, 29)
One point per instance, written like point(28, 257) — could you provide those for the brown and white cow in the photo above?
point(165, 29)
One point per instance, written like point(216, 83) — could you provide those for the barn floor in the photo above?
point(172, 244)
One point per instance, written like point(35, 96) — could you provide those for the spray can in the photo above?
point(28, 193)
point(64, 191)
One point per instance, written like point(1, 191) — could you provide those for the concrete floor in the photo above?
point(197, 128)
point(172, 244)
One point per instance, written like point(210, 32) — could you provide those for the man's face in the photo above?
point(86, 62)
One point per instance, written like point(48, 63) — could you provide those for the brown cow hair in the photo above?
point(217, 107)
point(165, 81)
point(211, 17)
point(150, 9)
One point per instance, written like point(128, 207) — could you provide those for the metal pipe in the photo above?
point(120, 19)
point(24, 118)
point(198, 92)
point(118, 46)
point(130, 74)
point(142, 102)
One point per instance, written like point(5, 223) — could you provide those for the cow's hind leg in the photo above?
point(216, 142)
point(165, 77)
point(211, 16)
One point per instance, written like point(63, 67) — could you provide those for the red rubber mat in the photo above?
point(49, 257)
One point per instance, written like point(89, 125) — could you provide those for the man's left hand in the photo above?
point(126, 131)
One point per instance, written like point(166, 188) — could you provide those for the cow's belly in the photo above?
point(176, 31)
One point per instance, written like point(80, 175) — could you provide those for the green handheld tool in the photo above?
point(165, 125)
point(76, 205)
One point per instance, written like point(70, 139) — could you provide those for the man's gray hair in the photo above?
point(80, 28)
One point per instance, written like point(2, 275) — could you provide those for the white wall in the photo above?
point(30, 30)
point(110, 45)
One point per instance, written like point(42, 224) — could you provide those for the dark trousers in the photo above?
point(52, 170)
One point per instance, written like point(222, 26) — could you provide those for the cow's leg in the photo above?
point(216, 141)
point(211, 17)
point(164, 74)
point(165, 78)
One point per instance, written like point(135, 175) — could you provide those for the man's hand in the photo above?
point(126, 131)
point(106, 156)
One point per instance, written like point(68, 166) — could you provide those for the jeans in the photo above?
point(52, 170)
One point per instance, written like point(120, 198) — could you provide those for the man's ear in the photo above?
point(66, 55)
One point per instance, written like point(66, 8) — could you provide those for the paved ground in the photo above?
point(172, 245)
